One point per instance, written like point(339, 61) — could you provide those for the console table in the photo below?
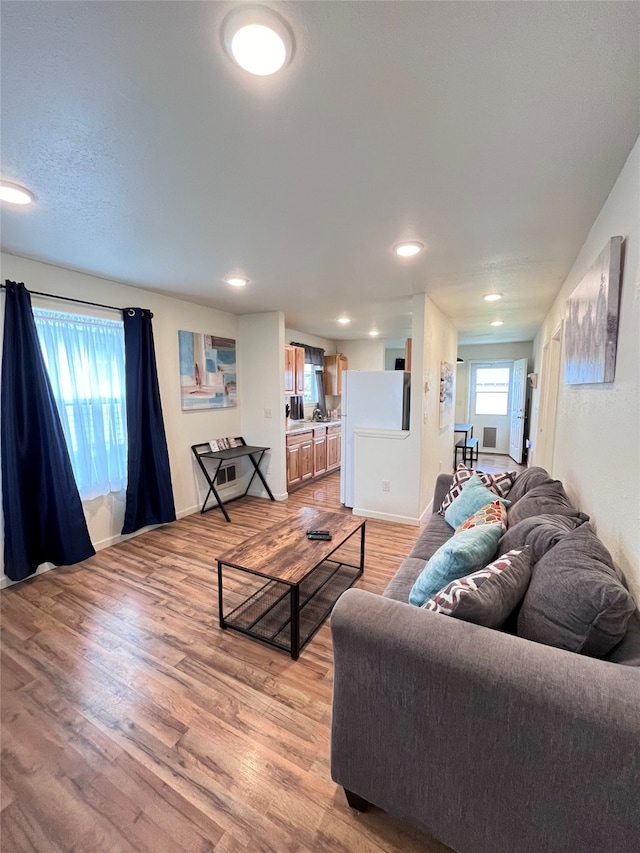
point(255, 454)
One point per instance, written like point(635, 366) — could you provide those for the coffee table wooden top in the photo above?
point(284, 553)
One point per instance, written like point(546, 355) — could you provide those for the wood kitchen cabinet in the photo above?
point(334, 441)
point(293, 370)
point(299, 457)
point(312, 453)
point(334, 366)
point(319, 451)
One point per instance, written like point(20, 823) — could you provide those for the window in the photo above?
point(310, 391)
point(84, 357)
point(491, 384)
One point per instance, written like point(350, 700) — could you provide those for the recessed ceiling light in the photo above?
point(237, 281)
point(258, 39)
point(497, 323)
point(493, 297)
point(344, 320)
point(373, 333)
point(14, 193)
point(407, 249)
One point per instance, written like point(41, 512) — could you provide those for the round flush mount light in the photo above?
point(258, 39)
point(14, 194)
point(497, 323)
point(408, 248)
point(236, 280)
point(344, 320)
point(492, 297)
point(374, 333)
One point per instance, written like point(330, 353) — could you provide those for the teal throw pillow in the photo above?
point(474, 496)
point(464, 553)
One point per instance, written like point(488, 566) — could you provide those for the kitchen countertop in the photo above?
point(296, 427)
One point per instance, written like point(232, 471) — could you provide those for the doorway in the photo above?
point(549, 386)
point(489, 404)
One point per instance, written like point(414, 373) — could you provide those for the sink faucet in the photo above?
point(317, 414)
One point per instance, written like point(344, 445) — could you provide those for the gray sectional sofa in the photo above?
point(490, 741)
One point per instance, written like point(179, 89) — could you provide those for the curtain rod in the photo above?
point(70, 299)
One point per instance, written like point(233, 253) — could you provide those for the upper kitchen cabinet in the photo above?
point(293, 370)
point(334, 365)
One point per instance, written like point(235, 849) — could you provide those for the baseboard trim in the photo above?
point(386, 516)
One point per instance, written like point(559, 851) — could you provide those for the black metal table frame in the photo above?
point(221, 456)
point(294, 598)
point(468, 433)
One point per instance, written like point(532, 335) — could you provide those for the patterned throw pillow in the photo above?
point(489, 596)
point(499, 484)
point(459, 556)
point(492, 513)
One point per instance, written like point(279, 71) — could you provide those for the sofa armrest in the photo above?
point(485, 740)
point(443, 484)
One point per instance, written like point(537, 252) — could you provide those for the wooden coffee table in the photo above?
point(281, 586)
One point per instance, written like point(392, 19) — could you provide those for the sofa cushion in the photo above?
point(487, 596)
point(499, 484)
point(627, 652)
point(462, 554)
point(491, 513)
point(546, 498)
point(527, 480)
point(575, 600)
point(540, 532)
point(434, 534)
point(474, 496)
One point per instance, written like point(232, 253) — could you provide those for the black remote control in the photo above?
point(323, 535)
point(323, 532)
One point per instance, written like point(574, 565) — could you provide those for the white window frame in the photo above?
point(494, 363)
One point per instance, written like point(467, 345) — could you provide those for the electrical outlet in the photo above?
point(385, 485)
point(268, 413)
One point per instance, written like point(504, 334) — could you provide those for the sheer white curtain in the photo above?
point(85, 360)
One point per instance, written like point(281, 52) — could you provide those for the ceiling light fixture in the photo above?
point(492, 297)
point(344, 320)
point(14, 194)
point(497, 323)
point(258, 39)
point(374, 333)
point(236, 281)
point(408, 248)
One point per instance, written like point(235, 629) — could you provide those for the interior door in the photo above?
point(518, 400)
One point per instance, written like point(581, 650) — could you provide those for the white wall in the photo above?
point(363, 355)
point(438, 342)
point(261, 366)
point(390, 356)
point(105, 515)
point(597, 448)
point(411, 460)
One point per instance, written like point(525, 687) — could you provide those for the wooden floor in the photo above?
point(131, 722)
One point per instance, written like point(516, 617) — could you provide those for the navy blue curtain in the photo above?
point(149, 491)
point(43, 517)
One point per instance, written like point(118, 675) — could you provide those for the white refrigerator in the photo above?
point(377, 399)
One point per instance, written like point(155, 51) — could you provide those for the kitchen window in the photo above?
point(310, 391)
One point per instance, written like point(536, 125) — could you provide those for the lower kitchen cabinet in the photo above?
point(334, 439)
point(311, 454)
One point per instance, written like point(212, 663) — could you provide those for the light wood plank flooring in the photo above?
point(131, 722)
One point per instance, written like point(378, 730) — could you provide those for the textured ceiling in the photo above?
point(492, 132)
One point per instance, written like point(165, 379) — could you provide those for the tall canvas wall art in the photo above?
point(591, 328)
point(207, 371)
point(446, 393)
